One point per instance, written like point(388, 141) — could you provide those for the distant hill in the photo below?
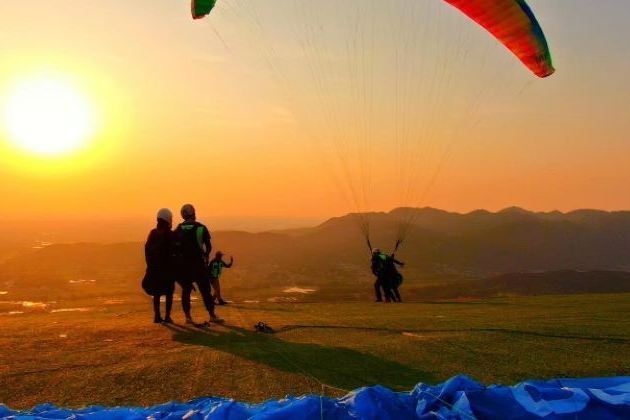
point(481, 243)
point(441, 247)
point(566, 282)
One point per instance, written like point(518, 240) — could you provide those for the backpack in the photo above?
point(190, 241)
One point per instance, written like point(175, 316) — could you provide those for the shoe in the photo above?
point(222, 302)
point(168, 320)
point(189, 321)
point(216, 319)
point(158, 320)
point(263, 328)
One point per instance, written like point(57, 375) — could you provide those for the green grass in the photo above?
point(115, 356)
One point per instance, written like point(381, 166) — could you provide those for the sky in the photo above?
point(243, 113)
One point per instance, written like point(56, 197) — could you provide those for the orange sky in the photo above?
point(194, 111)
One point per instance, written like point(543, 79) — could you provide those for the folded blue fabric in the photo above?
point(457, 398)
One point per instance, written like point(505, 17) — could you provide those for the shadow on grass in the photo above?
point(342, 368)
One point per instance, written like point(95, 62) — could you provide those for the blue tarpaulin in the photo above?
point(457, 398)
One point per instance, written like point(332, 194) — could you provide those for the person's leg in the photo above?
point(204, 289)
point(213, 285)
point(397, 294)
point(388, 294)
point(156, 309)
point(169, 306)
point(377, 290)
point(216, 285)
point(387, 289)
point(186, 291)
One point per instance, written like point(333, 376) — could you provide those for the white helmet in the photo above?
point(166, 215)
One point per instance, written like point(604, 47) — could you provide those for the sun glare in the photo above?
point(47, 116)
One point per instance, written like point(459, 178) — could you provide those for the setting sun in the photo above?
point(48, 116)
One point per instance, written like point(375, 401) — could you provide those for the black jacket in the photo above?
point(159, 253)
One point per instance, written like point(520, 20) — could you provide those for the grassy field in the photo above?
point(111, 354)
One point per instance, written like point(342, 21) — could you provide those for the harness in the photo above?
point(216, 268)
point(191, 240)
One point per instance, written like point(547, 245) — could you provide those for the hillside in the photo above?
point(441, 247)
point(565, 282)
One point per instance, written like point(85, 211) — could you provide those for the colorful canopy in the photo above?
point(515, 26)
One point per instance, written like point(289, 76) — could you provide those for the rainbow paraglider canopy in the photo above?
point(513, 23)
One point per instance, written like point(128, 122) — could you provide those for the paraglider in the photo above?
point(413, 98)
point(512, 22)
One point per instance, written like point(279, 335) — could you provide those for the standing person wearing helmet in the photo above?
point(159, 279)
point(194, 247)
point(378, 269)
point(216, 269)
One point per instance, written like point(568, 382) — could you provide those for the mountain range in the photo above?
point(440, 248)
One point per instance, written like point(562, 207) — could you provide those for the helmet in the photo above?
point(166, 215)
point(376, 251)
point(188, 211)
point(219, 254)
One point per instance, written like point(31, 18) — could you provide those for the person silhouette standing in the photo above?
point(193, 249)
point(159, 279)
point(215, 267)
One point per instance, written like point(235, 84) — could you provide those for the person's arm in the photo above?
point(146, 249)
point(207, 243)
point(395, 261)
point(226, 265)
